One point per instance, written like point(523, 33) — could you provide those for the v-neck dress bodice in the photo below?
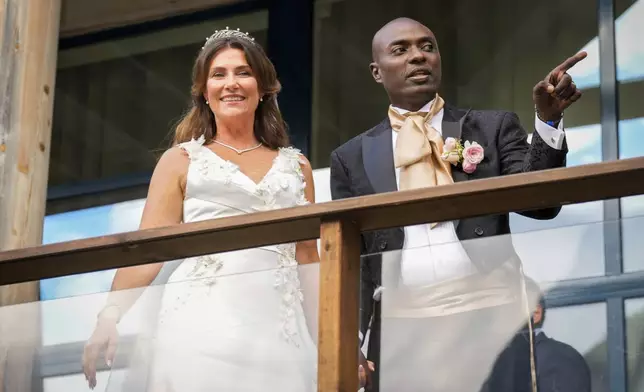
point(213, 180)
point(234, 321)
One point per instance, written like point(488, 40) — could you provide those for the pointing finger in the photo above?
point(571, 61)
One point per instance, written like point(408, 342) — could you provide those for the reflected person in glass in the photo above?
point(436, 303)
point(233, 321)
point(560, 367)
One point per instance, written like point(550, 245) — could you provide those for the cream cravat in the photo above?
point(418, 149)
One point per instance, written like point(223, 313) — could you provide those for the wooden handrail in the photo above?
point(519, 192)
point(338, 224)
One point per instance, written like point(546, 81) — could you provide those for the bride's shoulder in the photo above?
point(295, 158)
point(174, 159)
point(175, 153)
point(294, 154)
point(300, 164)
point(170, 170)
point(304, 163)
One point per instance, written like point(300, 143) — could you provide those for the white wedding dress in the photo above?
point(235, 321)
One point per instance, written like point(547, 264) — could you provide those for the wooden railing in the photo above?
point(338, 224)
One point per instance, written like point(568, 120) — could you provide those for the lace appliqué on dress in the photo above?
point(205, 269)
point(287, 282)
point(203, 273)
point(287, 167)
point(219, 169)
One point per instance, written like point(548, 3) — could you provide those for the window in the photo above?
point(635, 343)
point(630, 76)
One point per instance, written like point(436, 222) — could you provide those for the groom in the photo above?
point(456, 351)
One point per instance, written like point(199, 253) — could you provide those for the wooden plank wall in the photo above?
point(28, 51)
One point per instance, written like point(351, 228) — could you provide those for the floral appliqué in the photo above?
point(205, 268)
point(287, 282)
point(287, 177)
point(202, 273)
point(288, 163)
point(469, 154)
point(200, 156)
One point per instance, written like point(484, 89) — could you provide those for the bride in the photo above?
point(231, 157)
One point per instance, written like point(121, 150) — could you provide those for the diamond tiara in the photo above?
point(227, 33)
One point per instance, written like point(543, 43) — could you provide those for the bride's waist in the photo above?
point(268, 251)
point(238, 265)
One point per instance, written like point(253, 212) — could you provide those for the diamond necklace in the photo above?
point(239, 152)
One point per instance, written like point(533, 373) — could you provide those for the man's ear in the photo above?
point(375, 72)
point(537, 316)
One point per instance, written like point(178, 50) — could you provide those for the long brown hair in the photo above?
point(269, 126)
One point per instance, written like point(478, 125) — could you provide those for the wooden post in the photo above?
point(339, 306)
point(28, 52)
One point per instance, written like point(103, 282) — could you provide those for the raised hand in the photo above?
point(557, 91)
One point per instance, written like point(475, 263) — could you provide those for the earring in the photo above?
point(261, 100)
point(207, 103)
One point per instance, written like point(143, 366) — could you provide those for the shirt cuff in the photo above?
point(377, 294)
point(554, 137)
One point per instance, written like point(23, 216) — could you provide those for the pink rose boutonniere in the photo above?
point(469, 154)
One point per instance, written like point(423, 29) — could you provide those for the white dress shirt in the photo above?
point(434, 255)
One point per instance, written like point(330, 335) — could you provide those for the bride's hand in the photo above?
point(105, 336)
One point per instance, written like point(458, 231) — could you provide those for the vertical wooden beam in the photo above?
point(28, 53)
point(339, 305)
